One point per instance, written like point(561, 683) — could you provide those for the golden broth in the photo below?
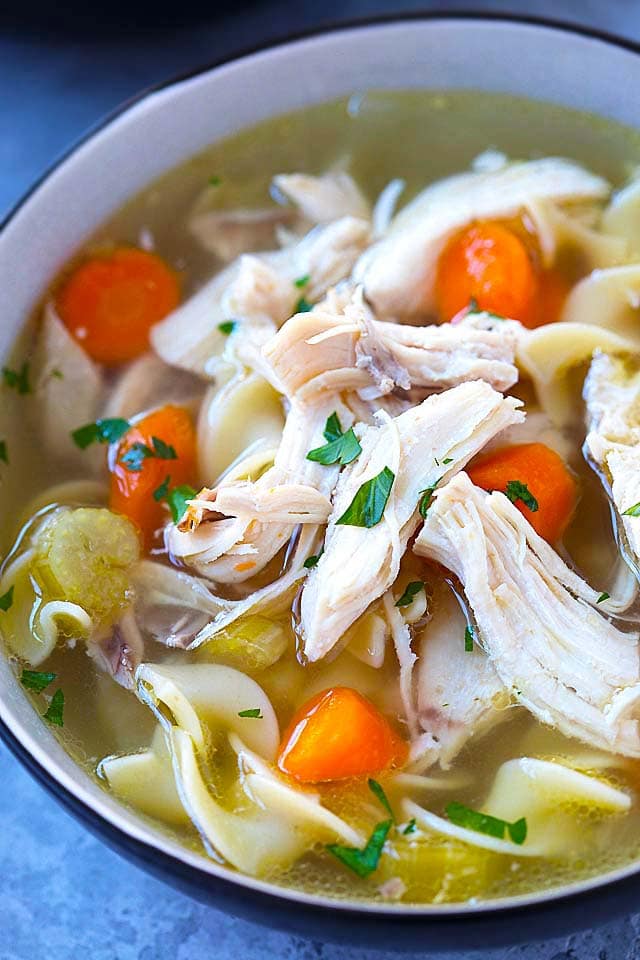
point(419, 136)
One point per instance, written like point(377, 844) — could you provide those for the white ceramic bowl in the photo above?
point(162, 129)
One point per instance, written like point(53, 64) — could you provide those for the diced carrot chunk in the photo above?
point(132, 490)
point(546, 477)
point(110, 302)
point(337, 735)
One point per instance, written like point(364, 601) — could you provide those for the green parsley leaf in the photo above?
point(365, 861)
point(6, 600)
point(254, 713)
point(410, 827)
point(633, 511)
point(135, 456)
point(603, 597)
point(464, 816)
point(519, 491)
point(341, 448)
point(227, 327)
point(468, 639)
point(37, 681)
point(474, 307)
point(411, 591)
point(312, 561)
point(4, 453)
point(57, 374)
point(425, 499)
point(17, 379)
point(367, 507)
point(102, 431)
point(162, 492)
point(214, 181)
point(302, 281)
point(303, 306)
point(56, 708)
point(162, 450)
point(177, 500)
point(447, 460)
point(379, 793)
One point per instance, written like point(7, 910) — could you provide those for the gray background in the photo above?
point(62, 894)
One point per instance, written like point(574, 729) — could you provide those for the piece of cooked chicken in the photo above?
point(422, 447)
point(238, 545)
point(612, 396)
point(399, 271)
point(351, 351)
point(537, 620)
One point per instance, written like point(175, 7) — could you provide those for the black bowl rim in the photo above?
point(585, 905)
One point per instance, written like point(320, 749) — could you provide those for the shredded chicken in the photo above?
point(352, 351)
point(119, 651)
point(538, 621)
point(359, 564)
point(612, 395)
point(398, 272)
point(323, 199)
point(231, 550)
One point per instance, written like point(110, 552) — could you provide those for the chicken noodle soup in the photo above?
point(320, 471)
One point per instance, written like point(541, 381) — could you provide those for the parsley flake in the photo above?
point(17, 379)
point(474, 307)
point(341, 447)
point(468, 639)
point(36, 680)
point(363, 861)
point(4, 453)
point(254, 713)
point(425, 499)
point(56, 709)
point(302, 281)
point(214, 181)
point(6, 600)
point(464, 816)
point(227, 327)
point(312, 561)
point(139, 452)
point(516, 490)
point(367, 507)
point(410, 827)
point(633, 511)
point(411, 591)
point(57, 374)
point(603, 597)
point(177, 500)
point(447, 460)
point(380, 795)
point(162, 492)
point(303, 306)
point(102, 431)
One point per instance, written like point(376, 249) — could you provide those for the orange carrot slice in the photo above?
point(136, 475)
point(336, 735)
point(110, 303)
point(489, 264)
point(550, 497)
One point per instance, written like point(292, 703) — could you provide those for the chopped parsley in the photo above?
point(474, 307)
point(411, 591)
point(102, 431)
point(17, 379)
point(312, 561)
point(4, 453)
point(254, 713)
point(410, 827)
point(519, 491)
point(425, 499)
point(603, 597)
point(340, 447)
point(444, 462)
point(380, 795)
point(57, 374)
point(303, 305)
point(162, 492)
point(633, 511)
point(468, 639)
point(363, 861)
point(214, 181)
point(302, 281)
point(367, 507)
point(56, 709)
point(177, 500)
point(36, 680)
point(227, 327)
point(464, 816)
point(139, 452)
point(6, 600)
